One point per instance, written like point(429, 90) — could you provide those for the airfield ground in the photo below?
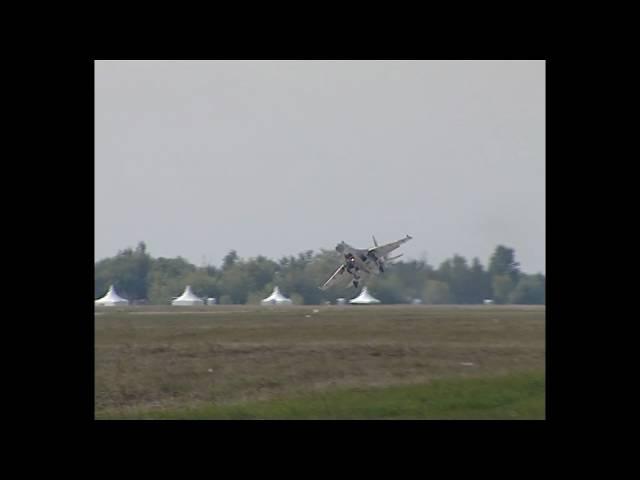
point(320, 362)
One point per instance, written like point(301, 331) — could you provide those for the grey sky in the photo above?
point(274, 158)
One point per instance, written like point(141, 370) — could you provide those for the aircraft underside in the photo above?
point(364, 261)
point(370, 263)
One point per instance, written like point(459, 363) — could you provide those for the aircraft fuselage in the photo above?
point(371, 260)
point(359, 260)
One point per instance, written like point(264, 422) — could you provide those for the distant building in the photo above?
point(188, 298)
point(111, 299)
point(487, 301)
point(211, 301)
point(276, 298)
point(416, 301)
point(364, 298)
point(341, 301)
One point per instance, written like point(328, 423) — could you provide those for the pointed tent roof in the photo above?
point(276, 298)
point(188, 298)
point(364, 298)
point(112, 298)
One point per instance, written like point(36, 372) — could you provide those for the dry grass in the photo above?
point(162, 358)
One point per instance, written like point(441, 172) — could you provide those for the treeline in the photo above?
point(143, 279)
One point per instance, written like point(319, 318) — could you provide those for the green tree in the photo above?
point(203, 284)
point(502, 285)
point(437, 292)
point(480, 282)
point(443, 273)
point(167, 278)
point(128, 271)
point(297, 299)
point(503, 262)
point(237, 283)
point(229, 260)
point(317, 271)
point(388, 288)
point(254, 298)
point(412, 277)
point(460, 280)
point(530, 290)
point(137, 275)
point(297, 275)
point(261, 270)
point(225, 300)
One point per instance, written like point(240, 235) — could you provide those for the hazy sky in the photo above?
point(275, 158)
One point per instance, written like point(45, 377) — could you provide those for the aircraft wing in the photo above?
point(384, 250)
point(334, 278)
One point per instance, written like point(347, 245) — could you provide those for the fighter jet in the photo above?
point(359, 261)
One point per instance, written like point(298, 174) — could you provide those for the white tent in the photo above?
point(364, 298)
point(276, 298)
point(111, 299)
point(188, 298)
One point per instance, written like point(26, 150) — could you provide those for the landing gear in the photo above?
point(356, 280)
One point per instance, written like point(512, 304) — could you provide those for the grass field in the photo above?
point(339, 362)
